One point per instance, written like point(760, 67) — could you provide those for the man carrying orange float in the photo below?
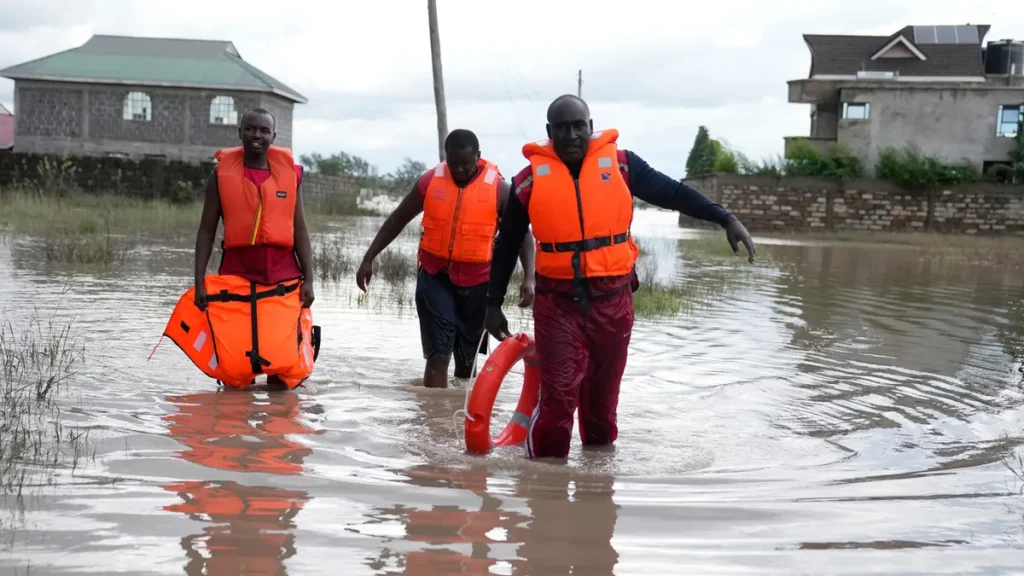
point(462, 199)
point(252, 317)
point(578, 193)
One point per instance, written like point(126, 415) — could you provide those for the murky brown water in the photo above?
point(840, 411)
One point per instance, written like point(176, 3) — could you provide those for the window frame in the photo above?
point(1000, 123)
point(129, 108)
point(865, 105)
point(219, 103)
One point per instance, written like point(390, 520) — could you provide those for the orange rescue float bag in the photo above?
point(246, 330)
point(480, 402)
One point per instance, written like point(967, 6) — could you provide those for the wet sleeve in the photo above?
point(652, 186)
point(514, 223)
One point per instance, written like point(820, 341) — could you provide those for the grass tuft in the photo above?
point(37, 362)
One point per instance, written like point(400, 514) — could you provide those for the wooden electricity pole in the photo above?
point(435, 58)
point(579, 84)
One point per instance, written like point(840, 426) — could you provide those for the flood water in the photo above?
point(841, 410)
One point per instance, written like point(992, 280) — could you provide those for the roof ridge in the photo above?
point(174, 38)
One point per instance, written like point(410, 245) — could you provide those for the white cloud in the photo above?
point(653, 69)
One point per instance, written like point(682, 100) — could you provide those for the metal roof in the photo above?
point(211, 64)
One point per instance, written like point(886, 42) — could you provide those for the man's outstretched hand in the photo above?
point(496, 324)
point(736, 233)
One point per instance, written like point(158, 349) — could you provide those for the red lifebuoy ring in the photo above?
point(485, 390)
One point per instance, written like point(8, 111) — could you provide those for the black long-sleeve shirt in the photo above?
point(644, 182)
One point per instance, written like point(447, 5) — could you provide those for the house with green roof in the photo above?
point(143, 97)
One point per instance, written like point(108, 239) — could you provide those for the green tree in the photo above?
point(402, 179)
point(340, 164)
point(726, 161)
point(702, 155)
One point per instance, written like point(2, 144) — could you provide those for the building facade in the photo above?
point(142, 98)
point(933, 86)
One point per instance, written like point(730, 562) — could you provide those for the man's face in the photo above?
point(462, 164)
point(569, 128)
point(256, 132)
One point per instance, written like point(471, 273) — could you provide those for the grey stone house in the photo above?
point(142, 97)
point(935, 86)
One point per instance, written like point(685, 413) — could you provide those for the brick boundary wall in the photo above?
point(799, 204)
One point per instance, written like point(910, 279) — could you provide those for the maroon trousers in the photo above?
point(581, 366)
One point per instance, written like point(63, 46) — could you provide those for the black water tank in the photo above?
point(1005, 57)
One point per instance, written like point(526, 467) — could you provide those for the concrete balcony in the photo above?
point(807, 91)
point(822, 145)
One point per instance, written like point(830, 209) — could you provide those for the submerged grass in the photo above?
point(85, 250)
point(37, 362)
point(72, 211)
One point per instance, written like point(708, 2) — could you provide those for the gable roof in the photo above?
point(211, 64)
point(899, 41)
point(845, 55)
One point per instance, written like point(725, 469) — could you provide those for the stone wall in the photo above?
point(87, 119)
point(796, 204)
point(151, 178)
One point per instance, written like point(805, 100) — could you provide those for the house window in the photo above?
point(137, 106)
point(856, 110)
point(1008, 120)
point(223, 111)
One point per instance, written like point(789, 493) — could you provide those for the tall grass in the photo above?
point(37, 363)
point(75, 212)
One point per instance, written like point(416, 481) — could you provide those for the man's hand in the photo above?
point(526, 292)
point(364, 274)
point(737, 233)
point(307, 294)
point(199, 297)
point(496, 324)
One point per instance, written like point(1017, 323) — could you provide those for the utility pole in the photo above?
point(435, 58)
point(579, 84)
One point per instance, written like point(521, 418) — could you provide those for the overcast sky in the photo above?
point(653, 69)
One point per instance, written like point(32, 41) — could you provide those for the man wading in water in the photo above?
point(578, 195)
point(462, 201)
point(256, 259)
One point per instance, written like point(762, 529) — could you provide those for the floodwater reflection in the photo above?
point(836, 408)
point(248, 529)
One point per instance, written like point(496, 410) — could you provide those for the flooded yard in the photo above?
point(838, 408)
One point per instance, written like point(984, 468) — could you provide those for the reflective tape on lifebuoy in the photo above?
point(485, 390)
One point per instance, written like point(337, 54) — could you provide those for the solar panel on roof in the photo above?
point(924, 34)
point(945, 35)
point(967, 35)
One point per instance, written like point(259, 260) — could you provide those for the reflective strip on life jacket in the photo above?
point(264, 215)
point(459, 224)
point(597, 243)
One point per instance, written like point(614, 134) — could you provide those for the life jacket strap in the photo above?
point(584, 245)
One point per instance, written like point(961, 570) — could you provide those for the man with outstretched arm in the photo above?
point(578, 193)
point(462, 200)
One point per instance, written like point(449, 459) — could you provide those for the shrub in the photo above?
point(914, 171)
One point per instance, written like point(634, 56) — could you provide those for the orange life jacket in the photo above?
point(247, 329)
point(459, 224)
point(587, 220)
point(257, 216)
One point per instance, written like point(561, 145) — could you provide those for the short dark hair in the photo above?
point(258, 111)
point(460, 139)
point(564, 98)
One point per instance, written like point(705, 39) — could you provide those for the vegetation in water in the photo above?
point(37, 364)
point(69, 211)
